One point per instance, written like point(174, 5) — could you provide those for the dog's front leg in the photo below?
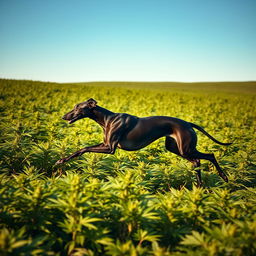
point(101, 148)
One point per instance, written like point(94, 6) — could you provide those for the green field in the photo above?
point(129, 203)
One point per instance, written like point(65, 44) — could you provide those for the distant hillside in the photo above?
point(226, 87)
point(235, 87)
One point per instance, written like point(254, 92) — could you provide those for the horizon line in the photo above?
point(130, 81)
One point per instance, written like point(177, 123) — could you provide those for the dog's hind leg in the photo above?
point(196, 164)
point(187, 148)
point(171, 145)
point(210, 157)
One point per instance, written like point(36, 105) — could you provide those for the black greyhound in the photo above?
point(132, 133)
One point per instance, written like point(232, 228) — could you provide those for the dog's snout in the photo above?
point(64, 117)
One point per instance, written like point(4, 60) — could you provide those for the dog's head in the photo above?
point(80, 111)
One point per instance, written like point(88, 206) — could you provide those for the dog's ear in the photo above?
point(91, 103)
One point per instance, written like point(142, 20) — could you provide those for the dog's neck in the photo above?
point(101, 115)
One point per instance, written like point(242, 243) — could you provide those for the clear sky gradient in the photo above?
point(128, 40)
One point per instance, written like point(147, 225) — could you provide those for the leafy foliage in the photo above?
point(130, 203)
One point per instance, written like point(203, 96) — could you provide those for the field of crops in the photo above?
point(129, 203)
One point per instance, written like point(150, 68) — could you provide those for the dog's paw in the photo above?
point(225, 178)
point(61, 161)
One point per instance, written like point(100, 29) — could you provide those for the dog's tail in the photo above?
point(208, 135)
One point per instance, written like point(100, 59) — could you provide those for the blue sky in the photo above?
point(126, 40)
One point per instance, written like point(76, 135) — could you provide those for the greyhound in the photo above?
point(132, 133)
